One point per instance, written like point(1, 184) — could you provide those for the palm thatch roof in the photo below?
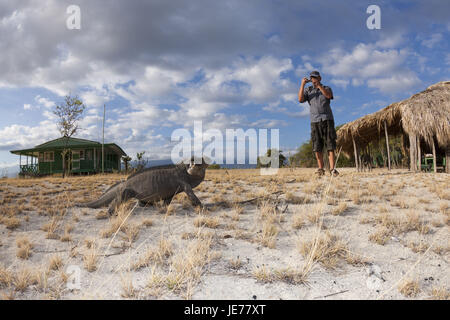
point(425, 115)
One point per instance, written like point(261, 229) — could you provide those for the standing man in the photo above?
point(322, 120)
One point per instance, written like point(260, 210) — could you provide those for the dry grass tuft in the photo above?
point(409, 288)
point(22, 279)
point(209, 222)
point(55, 263)
point(187, 265)
point(298, 221)
point(381, 235)
point(24, 247)
point(237, 211)
point(262, 274)
point(314, 213)
point(235, 264)
point(326, 249)
point(157, 255)
point(131, 231)
point(11, 223)
point(128, 290)
point(290, 276)
point(6, 277)
point(440, 293)
point(268, 235)
point(414, 222)
point(90, 259)
point(342, 206)
point(294, 199)
point(418, 247)
point(51, 228)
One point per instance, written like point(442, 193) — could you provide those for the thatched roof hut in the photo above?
point(424, 117)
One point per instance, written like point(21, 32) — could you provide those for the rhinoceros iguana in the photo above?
point(154, 184)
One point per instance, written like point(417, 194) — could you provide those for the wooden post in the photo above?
point(103, 140)
point(413, 152)
point(447, 159)
point(419, 154)
point(434, 155)
point(387, 145)
point(356, 154)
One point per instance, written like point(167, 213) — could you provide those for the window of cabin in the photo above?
point(81, 154)
point(41, 157)
point(49, 156)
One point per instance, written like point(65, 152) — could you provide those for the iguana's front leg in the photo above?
point(190, 193)
point(123, 197)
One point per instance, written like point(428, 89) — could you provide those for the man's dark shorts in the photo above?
point(323, 132)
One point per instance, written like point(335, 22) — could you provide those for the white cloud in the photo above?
point(263, 76)
point(157, 82)
point(390, 40)
point(432, 40)
point(20, 136)
point(364, 61)
point(27, 106)
point(44, 101)
point(95, 98)
point(246, 81)
point(394, 83)
point(384, 69)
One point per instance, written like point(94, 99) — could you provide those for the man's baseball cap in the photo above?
point(314, 73)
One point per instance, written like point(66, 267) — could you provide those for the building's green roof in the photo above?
point(70, 143)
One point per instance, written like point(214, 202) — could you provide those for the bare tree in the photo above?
point(69, 114)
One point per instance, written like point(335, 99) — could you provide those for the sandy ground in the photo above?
point(377, 235)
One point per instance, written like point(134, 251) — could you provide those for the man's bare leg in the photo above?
point(319, 159)
point(331, 159)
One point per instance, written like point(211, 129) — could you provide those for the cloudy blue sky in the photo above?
point(159, 65)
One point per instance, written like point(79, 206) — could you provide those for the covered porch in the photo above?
point(422, 121)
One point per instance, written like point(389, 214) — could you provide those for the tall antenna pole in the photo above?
point(103, 140)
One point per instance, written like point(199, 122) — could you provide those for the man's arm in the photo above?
point(301, 92)
point(327, 93)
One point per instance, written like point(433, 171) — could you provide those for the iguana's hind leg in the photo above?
point(123, 197)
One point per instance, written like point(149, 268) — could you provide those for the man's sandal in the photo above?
point(334, 172)
point(320, 172)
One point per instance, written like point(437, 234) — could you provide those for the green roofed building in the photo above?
point(85, 156)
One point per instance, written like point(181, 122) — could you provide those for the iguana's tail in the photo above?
point(105, 199)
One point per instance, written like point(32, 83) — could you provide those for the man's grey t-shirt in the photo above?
point(320, 109)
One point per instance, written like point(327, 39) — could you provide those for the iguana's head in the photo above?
point(197, 167)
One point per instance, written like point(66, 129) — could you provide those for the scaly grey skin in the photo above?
point(152, 185)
